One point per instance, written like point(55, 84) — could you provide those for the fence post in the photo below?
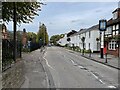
point(20, 50)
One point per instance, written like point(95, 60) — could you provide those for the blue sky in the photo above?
point(61, 17)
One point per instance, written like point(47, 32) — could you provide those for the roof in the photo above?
point(118, 9)
point(112, 22)
point(71, 33)
point(95, 27)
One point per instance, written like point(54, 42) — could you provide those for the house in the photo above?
point(112, 34)
point(63, 41)
point(73, 40)
point(91, 38)
point(72, 36)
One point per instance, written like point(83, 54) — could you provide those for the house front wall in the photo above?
point(90, 40)
point(111, 45)
point(80, 42)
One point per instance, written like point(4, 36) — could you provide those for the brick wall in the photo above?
point(14, 76)
point(113, 52)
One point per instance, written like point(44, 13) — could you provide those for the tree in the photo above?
point(31, 35)
point(25, 11)
point(54, 39)
point(42, 35)
point(19, 12)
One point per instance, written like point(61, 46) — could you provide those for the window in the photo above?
point(117, 32)
point(79, 37)
point(89, 34)
point(117, 26)
point(109, 30)
point(112, 45)
point(113, 27)
point(89, 46)
point(85, 34)
point(115, 15)
point(113, 32)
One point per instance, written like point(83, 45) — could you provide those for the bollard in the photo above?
point(90, 53)
point(106, 58)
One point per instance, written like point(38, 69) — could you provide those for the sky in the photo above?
point(62, 17)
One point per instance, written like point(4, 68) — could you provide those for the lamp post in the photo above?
point(14, 28)
point(102, 28)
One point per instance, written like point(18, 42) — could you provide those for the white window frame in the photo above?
point(117, 32)
point(112, 45)
point(114, 33)
point(117, 26)
point(113, 27)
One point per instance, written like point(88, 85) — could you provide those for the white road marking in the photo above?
point(101, 81)
point(111, 87)
point(97, 78)
point(48, 63)
point(73, 62)
point(89, 71)
point(47, 80)
point(81, 67)
point(36, 71)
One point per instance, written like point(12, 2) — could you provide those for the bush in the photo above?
point(25, 50)
point(77, 48)
point(86, 51)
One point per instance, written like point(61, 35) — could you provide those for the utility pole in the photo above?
point(14, 28)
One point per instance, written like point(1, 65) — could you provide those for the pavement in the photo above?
point(112, 60)
point(35, 74)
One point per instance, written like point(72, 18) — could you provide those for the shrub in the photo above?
point(25, 50)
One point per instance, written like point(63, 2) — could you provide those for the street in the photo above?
point(69, 70)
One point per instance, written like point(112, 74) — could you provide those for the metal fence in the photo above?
point(7, 53)
point(34, 46)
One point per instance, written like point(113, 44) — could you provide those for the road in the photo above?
point(69, 70)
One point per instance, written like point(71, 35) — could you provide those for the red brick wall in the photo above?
point(113, 52)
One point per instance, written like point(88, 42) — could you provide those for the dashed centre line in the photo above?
point(81, 67)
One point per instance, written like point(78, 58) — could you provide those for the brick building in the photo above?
point(4, 32)
point(112, 34)
point(24, 38)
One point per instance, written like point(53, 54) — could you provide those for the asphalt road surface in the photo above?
point(69, 70)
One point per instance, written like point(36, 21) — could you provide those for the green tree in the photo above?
point(42, 35)
point(19, 12)
point(25, 11)
point(54, 39)
point(31, 35)
point(19, 35)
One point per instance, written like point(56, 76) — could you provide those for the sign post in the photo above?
point(102, 28)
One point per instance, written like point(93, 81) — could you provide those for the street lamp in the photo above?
point(102, 28)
